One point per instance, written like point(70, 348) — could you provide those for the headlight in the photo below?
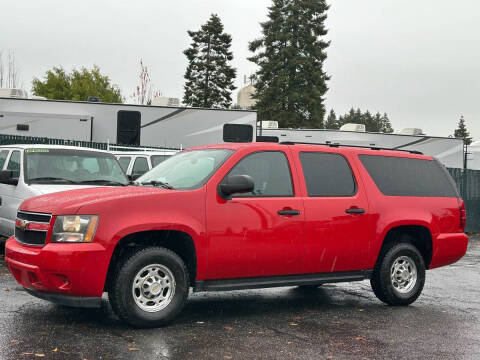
point(74, 228)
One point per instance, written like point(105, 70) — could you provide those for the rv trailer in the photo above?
point(449, 151)
point(134, 125)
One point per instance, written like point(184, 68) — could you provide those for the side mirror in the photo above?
point(6, 177)
point(235, 184)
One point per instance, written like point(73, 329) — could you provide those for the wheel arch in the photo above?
point(419, 235)
point(178, 241)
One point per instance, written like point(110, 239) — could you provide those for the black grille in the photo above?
point(43, 218)
point(30, 237)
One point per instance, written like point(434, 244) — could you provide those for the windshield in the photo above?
point(186, 170)
point(66, 166)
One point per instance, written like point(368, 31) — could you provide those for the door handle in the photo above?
point(355, 211)
point(288, 212)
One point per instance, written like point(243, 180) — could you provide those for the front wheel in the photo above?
point(399, 276)
point(150, 287)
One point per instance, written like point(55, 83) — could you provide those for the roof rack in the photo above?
point(354, 146)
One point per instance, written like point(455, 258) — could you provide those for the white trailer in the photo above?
point(450, 151)
point(135, 125)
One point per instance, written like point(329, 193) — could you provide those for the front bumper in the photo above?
point(74, 270)
point(73, 301)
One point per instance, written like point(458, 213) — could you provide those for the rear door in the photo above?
point(337, 224)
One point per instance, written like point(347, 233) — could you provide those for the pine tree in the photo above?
point(291, 83)
point(385, 125)
point(461, 131)
point(373, 123)
point(332, 122)
point(209, 75)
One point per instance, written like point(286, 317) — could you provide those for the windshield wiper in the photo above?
point(103, 182)
point(158, 183)
point(51, 178)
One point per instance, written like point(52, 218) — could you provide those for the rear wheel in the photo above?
point(399, 276)
point(150, 287)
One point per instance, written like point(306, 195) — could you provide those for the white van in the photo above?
point(31, 170)
point(137, 163)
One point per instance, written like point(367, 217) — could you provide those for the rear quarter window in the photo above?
point(397, 176)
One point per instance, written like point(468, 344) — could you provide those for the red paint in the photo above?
point(242, 237)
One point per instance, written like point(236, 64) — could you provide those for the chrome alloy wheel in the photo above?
point(153, 288)
point(403, 274)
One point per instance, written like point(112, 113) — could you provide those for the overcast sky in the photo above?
point(419, 61)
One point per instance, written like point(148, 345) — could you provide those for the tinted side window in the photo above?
point(124, 162)
point(14, 163)
point(3, 157)
point(327, 174)
point(270, 173)
point(157, 159)
point(140, 166)
point(397, 176)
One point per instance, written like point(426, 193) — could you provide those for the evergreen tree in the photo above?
point(290, 82)
point(373, 123)
point(385, 124)
point(332, 122)
point(209, 76)
point(461, 131)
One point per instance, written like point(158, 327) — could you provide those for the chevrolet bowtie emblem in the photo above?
point(22, 224)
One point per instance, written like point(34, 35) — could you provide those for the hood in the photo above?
point(69, 202)
point(51, 188)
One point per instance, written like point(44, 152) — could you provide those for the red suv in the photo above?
point(242, 216)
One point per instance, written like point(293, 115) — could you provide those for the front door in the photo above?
point(260, 233)
point(11, 195)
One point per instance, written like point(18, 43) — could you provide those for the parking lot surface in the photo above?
point(340, 321)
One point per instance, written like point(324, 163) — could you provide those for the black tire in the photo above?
point(121, 294)
point(389, 291)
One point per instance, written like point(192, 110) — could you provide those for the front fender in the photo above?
point(177, 210)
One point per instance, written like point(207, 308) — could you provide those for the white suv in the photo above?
point(31, 170)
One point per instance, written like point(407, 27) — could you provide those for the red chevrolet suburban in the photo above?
point(242, 216)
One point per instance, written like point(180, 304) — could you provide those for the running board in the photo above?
point(278, 281)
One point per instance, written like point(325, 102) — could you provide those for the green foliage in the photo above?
point(77, 86)
point(291, 83)
point(209, 76)
point(373, 123)
point(461, 131)
point(332, 122)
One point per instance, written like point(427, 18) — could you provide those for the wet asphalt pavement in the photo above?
point(341, 321)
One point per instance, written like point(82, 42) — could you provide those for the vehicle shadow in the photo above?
point(210, 306)
point(268, 303)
